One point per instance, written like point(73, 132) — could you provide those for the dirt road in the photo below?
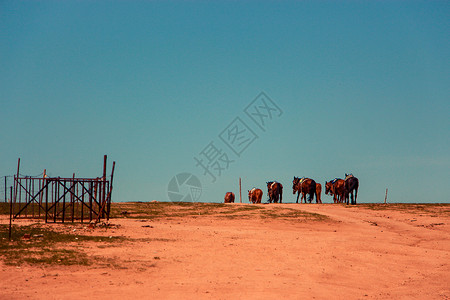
point(270, 253)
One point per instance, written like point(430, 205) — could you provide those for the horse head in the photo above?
point(347, 176)
point(328, 185)
point(294, 184)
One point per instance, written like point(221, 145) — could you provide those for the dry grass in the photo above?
point(432, 209)
point(37, 244)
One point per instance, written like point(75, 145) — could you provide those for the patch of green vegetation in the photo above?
point(35, 244)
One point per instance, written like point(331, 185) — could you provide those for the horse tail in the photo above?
point(312, 189)
point(281, 193)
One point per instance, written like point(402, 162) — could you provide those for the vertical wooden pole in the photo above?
point(108, 209)
point(16, 178)
point(64, 202)
point(56, 184)
point(41, 195)
point(46, 204)
point(82, 201)
point(31, 195)
point(10, 210)
point(26, 196)
point(91, 191)
point(6, 191)
point(104, 184)
point(72, 198)
point(385, 197)
point(240, 190)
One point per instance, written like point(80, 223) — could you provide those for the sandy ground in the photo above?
point(358, 253)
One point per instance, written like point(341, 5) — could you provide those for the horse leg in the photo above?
point(298, 194)
point(356, 194)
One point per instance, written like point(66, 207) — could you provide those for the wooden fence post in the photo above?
point(16, 186)
point(10, 211)
point(6, 191)
point(240, 190)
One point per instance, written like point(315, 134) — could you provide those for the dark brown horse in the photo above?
point(351, 185)
point(275, 191)
point(304, 186)
point(255, 195)
point(229, 197)
point(336, 188)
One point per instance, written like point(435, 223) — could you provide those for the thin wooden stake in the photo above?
point(10, 210)
point(16, 179)
point(41, 195)
point(72, 198)
point(108, 209)
point(240, 190)
point(6, 191)
point(103, 199)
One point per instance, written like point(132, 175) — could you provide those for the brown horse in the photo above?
point(351, 185)
point(318, 192)
point(229, 197)
point(275, 191)
point(336, 188)
point(304, 186)
point(255, 195)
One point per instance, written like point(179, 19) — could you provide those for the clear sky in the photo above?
point(361, 87)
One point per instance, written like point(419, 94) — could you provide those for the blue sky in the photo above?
point(364, 87)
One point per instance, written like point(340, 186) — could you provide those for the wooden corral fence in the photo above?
point(57, 199)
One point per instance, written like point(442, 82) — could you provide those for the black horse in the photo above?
point(275, 191)
point(351, 185)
